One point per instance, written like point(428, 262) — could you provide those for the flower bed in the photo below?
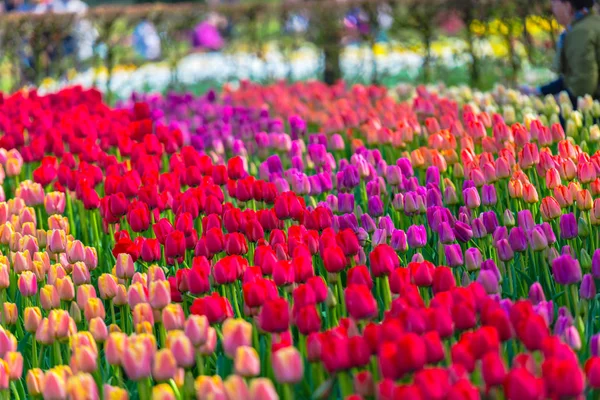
point(299, 241)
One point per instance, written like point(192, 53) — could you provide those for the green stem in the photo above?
point(57, 353)
point(288, 393)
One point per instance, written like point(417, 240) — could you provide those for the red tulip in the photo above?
point(335, 353)
point(216, 308)
point(235, 243)
point(235, 168)
point(150, 250)
point(138, 217)
point(175, 245)
point(493, 369)
point(307, 319)
point(274, 316)
point(443, 279)
point(161, 229)
point(521, 384)
point(197, 279)
point(399, 278)
point(383, 260)
point(347, 240)
point(334, 259)
point(592, 372)
point(360, 302)
point(229, 269)
point(434, 347)
point(359, 275)
point(433, 383)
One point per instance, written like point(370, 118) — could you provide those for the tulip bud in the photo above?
point(236, 388)
point(196, 329)
point(160, 294)
point(35, 381)
point(28, 284)
point(173, 317)
point(288, 365)
point(10, 314)
point(14, 362)
point(115, 393)
point(246, 361)
point(94, 308)
point(82, 386)
point(236, 333)
point(137, 360)
point(182, 349)
point(55, 385)
point(262, 388)
point(209, 387)
point(98, 329)
point(209, 346)
point(165, 365)
point(84, 359)
point(49, 297)
point(114, 347)
point(124, 266)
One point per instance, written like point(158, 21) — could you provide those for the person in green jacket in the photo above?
point(577, 59)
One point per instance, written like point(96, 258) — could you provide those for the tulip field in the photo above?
point(299, 241)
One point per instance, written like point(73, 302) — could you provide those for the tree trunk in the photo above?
point(331, 44)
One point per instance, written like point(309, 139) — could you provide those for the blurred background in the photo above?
point(122, 46)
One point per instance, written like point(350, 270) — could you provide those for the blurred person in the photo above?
point(206, 35)
point(577, 60)
point(146, 41)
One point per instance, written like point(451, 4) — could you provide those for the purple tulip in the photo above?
point(362, 236)
point(434, 197)
point(332, 200)
point(525, 220)
point(536, 293)
point(453, 254)
point(398, 241)
point(348, 221)
point(446, 233)
point(587, 290)
point(393, 175)
point(345, 203)
point(566, 270)
point(490, 265)
point(546, 310)
point(489, 281)
point(537, 238)
point(490, 221)
point(568, 226)
point(405, 166)
point(505, 252)
point(517, 239)
point(379, 237)
point(595, 345)
point(398, 202)
point(473, 259)
point(488, 195)
point(463, 232)
point(596, 264)
point(432, 176)
point(417, 236)
point(478, 228)
point(373, 188)
point(387, 224)
point(351, 179)
point(375, 206)
point(367, 223)
point(500, 233)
